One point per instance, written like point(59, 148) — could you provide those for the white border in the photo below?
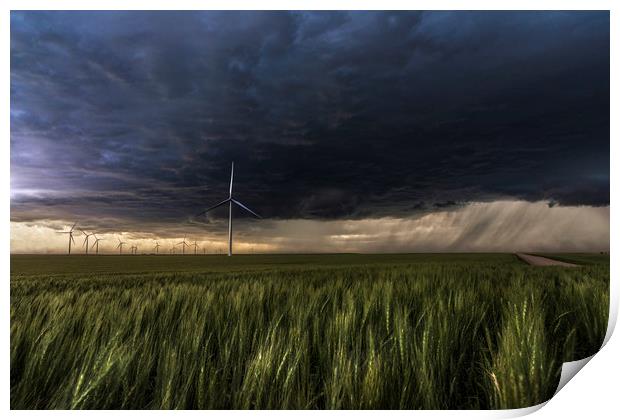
point(592, 393)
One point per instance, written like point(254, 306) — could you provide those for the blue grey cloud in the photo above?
point(136, 116)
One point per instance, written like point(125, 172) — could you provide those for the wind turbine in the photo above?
point(134, 249)
point(70, 232)
point(230, 200)
point(184, 244)
point(195, 247)
point(87, 235)
point(96, 243)
point(156, 247)
point(120, 246)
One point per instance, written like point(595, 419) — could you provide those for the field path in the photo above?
point(543, 261)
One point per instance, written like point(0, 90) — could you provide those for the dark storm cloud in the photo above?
point(136, 116)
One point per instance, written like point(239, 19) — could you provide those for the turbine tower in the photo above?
point(120, 246)
point(96, 244)
point(70, 232)
point(87, 235)
point(195, 247)
point(184, 244)
point(230, 200)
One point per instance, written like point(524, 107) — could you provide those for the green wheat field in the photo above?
point(409, 331)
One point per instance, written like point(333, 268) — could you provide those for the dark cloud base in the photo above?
point(136, 116)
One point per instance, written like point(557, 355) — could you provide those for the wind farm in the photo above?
point(183, 244)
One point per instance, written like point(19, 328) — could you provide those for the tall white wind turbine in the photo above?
point(184, 244)
point(87, 235)
point(230, 200)
point(96, 243)
point(120, 246)
point(70, 232)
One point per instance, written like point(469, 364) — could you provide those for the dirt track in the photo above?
point(542, 261)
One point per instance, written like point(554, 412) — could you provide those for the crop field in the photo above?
point(410, 331)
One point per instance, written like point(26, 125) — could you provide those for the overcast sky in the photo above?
point(127, 122)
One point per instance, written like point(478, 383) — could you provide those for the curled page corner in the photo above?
point(520, 412)
point(569, 370)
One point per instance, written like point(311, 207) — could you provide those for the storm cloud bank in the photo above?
point(128, 121)
point(502, 226)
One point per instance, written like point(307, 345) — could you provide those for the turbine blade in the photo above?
point(232, 172)
point(245, 208)
point(72, 227)
point(72, 240)
point(214, 207)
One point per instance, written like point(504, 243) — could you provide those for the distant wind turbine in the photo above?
point(70, 232)
point(96, 244)
point(120, 246)
point(87, 235)
point(195, 247)
point(184, 244)
point(156, 247)
point(230, 200)
point(134, 249)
